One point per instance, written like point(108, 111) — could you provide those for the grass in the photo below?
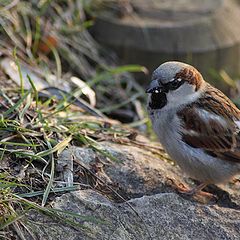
point(50, 39)
point(32, 140)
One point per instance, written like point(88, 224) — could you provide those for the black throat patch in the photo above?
point(158, 100)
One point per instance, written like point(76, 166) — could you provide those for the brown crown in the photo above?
point(192, 76)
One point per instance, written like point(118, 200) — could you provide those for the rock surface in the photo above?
point(160, 216)
point(155, 210)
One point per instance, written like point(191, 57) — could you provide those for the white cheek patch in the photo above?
point(185, 94)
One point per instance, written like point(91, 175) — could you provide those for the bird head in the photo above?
point(173, 84)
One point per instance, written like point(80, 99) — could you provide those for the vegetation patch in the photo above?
point(58, 88)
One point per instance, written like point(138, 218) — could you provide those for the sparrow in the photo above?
point(196, 124)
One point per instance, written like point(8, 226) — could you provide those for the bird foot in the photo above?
point(195, 193)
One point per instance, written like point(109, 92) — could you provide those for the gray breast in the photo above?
point(193, 161)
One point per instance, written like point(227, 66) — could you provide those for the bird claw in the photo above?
point(179, 187)
point(195, 193)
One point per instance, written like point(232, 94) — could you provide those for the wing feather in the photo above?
point(212, 124)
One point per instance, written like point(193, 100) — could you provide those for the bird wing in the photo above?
point(212, 124)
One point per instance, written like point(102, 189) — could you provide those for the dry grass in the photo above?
point(50, 39)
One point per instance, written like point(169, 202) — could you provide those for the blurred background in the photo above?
point(202, 33)
point(104, 51)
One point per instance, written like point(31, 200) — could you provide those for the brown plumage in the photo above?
point(192, 76)
point(220, 139)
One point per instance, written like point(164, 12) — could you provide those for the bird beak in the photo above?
point(154, 87)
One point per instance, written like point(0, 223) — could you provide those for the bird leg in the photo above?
point(195, 192)
point(199, 195)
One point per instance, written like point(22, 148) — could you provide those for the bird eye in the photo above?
point(176, 83)
point(157, 90)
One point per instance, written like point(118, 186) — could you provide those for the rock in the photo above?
point(160, 216)
point(139, 170)
point(143, 169)
point(153, 209)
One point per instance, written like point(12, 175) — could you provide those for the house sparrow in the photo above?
point(196, 123)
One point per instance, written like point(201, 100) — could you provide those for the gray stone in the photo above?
point(161, 216)
point(154, 209)
point(142, 169)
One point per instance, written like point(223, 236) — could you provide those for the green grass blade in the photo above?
point(19, 71)
point(5, 184)
point(25, 108)
point(20, 144)
point(16, 105)
point(10, 220)
point(50, 183)
point(81, 217)
point(58, 148)
point(34, 89)
point(53, 190)
point(127, 68)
